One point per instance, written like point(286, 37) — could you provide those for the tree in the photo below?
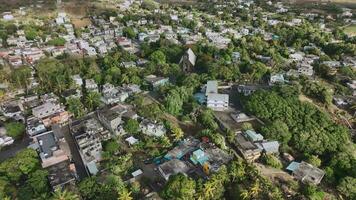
point(129, 32)
point(272, 161)
point(131, 126)
point(111, 146)
point(158, 57)
point(179, 186)
point(53, 76)
point(177, 132)
point(124, 194)
point(314, 160)
point(277, 130)
point(38, 181)
point(59, 41)
point(76, 107)
point(347, 187)
point(24, 163)
point(64, 195)
point(91, 189)
point(92, 100)
point(15, 129)
point(20, 77)
point(246, 126)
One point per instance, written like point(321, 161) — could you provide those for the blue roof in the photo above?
point(200, 97)
point(199, 156)
point(254, 136)
point(293, 166)
point(271, 147)
point(92, 168)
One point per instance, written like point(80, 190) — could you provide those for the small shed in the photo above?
point(131, 140)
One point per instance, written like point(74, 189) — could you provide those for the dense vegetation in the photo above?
point(306, 129)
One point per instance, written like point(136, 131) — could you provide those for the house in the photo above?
point(34, 126)
point(173, 167)
point(253, 136)
point(7, 16)
point(91, 85)
point(248, 149)
point(131, 140)
point(236, 56)
point(61, 174)
point(13, 110)
point(111, 118)
point(4, 139)
point(186, 146)
point(152, 128)
point(211, 87)
point(214, 100)
point(89, 134)
point(218, 102)
point(113, 94)
point(46, 109)
point(60, 117)
point(72, 93)
point(269, 147)
point(155, 82)
point(306, 172)
point(51, 149)
point(188, 61)
point(198, 156)
point(276, 78)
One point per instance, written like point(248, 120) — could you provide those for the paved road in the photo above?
point(79, 165)
point(10, 151)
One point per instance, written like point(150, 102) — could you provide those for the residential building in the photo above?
point(173, 167)
point(152, 128)
point(155, 82)
point(216, 101)
point(34, 126)
point(89, 134)
point(111, 117)
point(306, 172)
point(46, 109)
point(188, 61)
point(247, 148)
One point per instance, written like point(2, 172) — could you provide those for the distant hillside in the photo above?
point(324, 1)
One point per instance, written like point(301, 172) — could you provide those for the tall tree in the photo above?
point(92, 100)
point(64, 195)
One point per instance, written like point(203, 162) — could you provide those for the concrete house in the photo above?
point(155, 82)
point(306, 172)
point(216, 101)
point(46, 109)
point(34, 126)
point(188, 61)
point(111, 118)
point(151, 128)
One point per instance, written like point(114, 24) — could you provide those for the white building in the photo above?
point(152, 128)
point(216, 101)
point(46, 110)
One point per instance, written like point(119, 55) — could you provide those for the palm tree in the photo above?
point(256, 189)
point(92, 100)
point(124, 194)
point(244, 194)
point(64, 195)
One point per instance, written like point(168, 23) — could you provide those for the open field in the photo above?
point(350, 30)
